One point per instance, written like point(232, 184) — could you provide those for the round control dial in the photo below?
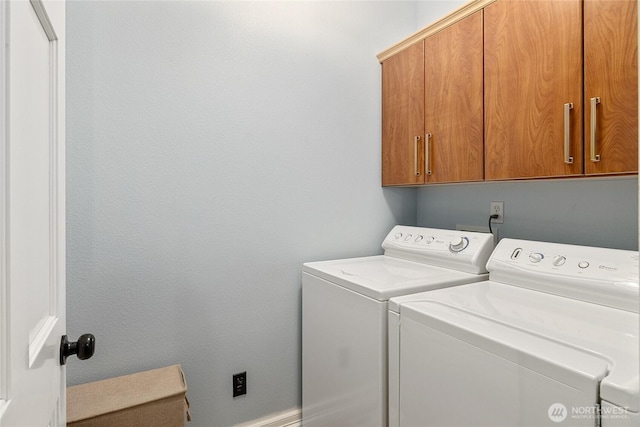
point(583, 264)
point(558, 260)
point(536, 257)
point(458, 244)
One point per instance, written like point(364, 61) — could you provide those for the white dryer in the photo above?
point(344, 317)
point(550, 339)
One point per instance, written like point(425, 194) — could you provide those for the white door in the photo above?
point(32, 213)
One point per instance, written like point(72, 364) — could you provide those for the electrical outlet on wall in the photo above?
point(497, 208)
point(240, 384)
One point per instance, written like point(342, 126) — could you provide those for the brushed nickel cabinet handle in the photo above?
point(568, 159)
point(416, 167)
point(427, 157)
point(594, 134)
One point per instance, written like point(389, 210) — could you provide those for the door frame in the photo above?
point(4, 192)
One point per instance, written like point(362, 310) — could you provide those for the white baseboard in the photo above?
point(290, 418)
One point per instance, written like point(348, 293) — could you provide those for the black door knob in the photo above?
point(83, 348)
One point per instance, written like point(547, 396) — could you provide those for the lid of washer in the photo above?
point(578, 343)
point(382, 277)
point(415, 259)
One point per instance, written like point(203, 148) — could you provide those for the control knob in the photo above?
point(536, 257)
point(558, 260)
point(458, 244)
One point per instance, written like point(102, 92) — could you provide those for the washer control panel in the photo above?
point(557, 258)
point(418, 241)
point(462, 250)
point(599, 275)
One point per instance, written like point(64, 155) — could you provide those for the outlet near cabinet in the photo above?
point(497, 208)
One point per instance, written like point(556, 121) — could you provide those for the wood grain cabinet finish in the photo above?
point(533, 67)
point(453, 120)
point(403, 117)
point(539, 62)
point(514, 89)
point(611, 86)
point(432, 108)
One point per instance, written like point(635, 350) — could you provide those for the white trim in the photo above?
point(53, 175)
point(40, 340)
point(4, 194)
point(4, 404)
point(42, 15)
point(290, 418)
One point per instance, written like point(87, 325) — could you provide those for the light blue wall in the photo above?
point(592, 212)
point(215, 146)
point(212, 148)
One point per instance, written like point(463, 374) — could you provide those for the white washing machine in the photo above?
point(344, 317)
point(551, 339)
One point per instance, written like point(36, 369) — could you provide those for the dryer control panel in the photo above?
point(460, 250)
point(599, 275)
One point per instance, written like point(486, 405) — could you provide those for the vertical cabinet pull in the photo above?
point(416, 167)
point(594, 116)
point(427, 157)
point(568, 159)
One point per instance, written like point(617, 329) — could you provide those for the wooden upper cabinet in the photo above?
point(432, 108)
point(403, 117)
point(513, 89)
point(611, 77)
point(454, 102)
point(533, 74)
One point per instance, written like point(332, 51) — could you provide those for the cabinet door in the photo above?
point(454, 102)
point(611, 77)
point(403, 117)
point(533, 67)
